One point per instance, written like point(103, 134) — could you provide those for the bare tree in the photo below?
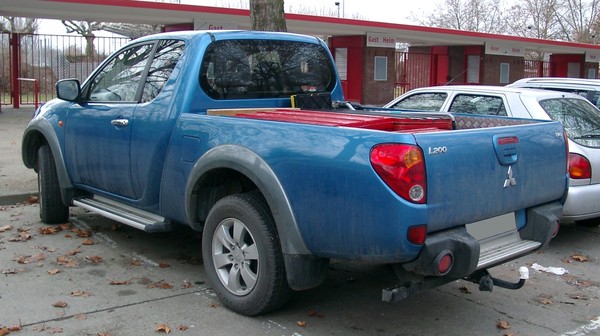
point(579, 20)
point(85, 29)
point(474, 15)
point(267, 15)
point(11, 24)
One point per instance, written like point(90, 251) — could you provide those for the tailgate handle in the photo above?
point(507, 149)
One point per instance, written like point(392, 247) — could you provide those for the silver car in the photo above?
point(580, 118)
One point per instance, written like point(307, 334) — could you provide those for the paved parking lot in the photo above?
point(91, 276)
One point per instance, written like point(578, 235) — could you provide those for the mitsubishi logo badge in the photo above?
point(510, 180)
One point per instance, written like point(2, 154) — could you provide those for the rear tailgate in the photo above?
point(481, 173)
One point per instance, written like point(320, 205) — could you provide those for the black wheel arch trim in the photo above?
point(38, 132)
point(258, 171)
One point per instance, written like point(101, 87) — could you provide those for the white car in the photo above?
point(580, 118)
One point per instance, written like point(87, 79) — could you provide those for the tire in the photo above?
point(242, 255)
point(52, 209)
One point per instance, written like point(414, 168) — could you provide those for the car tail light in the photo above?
point(417, 234)
point(402, 168)
point(579, 167)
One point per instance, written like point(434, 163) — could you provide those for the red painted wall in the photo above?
point(356, 48)
point(559, 64)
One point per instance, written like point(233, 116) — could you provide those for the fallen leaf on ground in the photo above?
point(82, 233)
point(215, 305)
point(80, 293)
point(65, 226)
point(80, 317)
point(60, 304)
point(87, 242)
point(183, 328)
point(30, 259)
point(578, 297)
point(160, 284)
point(120, 282)
point(56, 330)
point(5, 228)
point(67, 262)
point(301, 324)
point(503, 325)
point(53, 271)
point(33, 200)
point(49, 230)
point(94, 259)
point(73, 252)
point(164, 265)
point(186, 284)
point(161, 327)
point(4, 331)
point(580, 258)
point(104, 334)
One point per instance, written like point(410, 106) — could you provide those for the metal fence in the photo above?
point(536, 69)
point(30, 64)
point(413, 70)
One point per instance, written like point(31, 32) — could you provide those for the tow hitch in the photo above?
point(486, 281)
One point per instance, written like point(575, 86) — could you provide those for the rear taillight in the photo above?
point(402, 168)
point(417, 234)
point(579, 167)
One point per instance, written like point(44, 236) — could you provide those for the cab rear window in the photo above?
point(250, 69)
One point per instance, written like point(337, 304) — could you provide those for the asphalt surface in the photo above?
point(92, 276)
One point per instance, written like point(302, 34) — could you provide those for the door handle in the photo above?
point(119, 122)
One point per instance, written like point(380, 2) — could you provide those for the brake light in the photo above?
point(402, 168)
point(579, 167)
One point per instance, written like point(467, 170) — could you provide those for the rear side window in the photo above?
point(430, 101)
point(478, 104)
point(249, 69)
point(580, 119)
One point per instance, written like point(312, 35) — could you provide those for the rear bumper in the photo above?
point(470, 254)
point(582, 203)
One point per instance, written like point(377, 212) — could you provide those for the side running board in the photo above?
point(125, 214)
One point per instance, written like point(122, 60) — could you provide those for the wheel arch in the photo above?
point(38, 133)
point(229, 169)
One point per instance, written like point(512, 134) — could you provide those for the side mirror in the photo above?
point(68, 89)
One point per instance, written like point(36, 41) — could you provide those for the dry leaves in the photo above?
point(22, 235)
point(301, 324)
point(95, 259)
point(162, 327)
point(580, 258)
point(464, 289)
point(67, 262)
point(502, 325)
point(5, 228)
point(160, 284)
point(79, 293)
point(88, 241)
point(120, 282)
point(53, 271)
point(60, 304)
point(30, 259)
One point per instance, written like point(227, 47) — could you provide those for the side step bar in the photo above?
point(125, 214)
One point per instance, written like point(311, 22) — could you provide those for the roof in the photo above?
point(493, 90)
point(128, 11)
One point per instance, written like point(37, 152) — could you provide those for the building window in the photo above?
point(504, 73)
point(473, 69)
point(381, 68)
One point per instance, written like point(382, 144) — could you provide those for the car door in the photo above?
point(98, 129)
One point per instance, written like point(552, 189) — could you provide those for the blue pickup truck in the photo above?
point(246, 137)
